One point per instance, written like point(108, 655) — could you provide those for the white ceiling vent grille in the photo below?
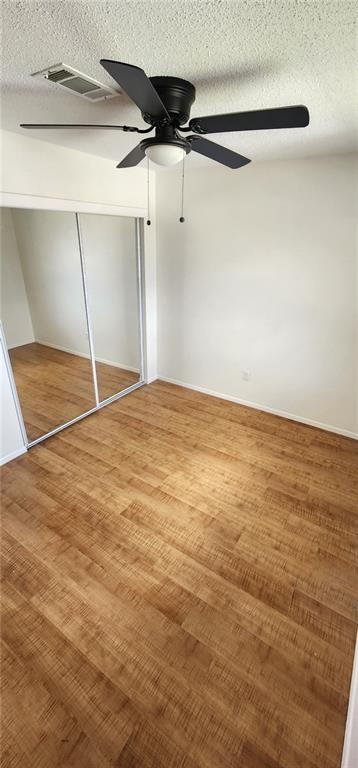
point(76, 82)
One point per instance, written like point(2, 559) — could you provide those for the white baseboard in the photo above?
point(87, 356)
point(13, 455)
point(261, 407)
point(350, 747)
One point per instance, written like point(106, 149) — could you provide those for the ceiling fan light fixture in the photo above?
point(165, 154)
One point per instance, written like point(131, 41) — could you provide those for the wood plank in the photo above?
point(56, 386)
point(179, 588)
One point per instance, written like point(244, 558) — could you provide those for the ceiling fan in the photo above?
point(165, 103)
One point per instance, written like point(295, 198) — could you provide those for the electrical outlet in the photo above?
point(246, 375)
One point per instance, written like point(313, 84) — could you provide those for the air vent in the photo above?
point(76, 82)
point(61, 74)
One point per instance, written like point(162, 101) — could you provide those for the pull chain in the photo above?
point(182, 193)
point(148, 209)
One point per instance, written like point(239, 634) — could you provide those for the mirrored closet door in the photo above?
point(110, 255)
point(71, 310)
point(44, 317)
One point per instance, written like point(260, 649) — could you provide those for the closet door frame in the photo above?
point(9, 200)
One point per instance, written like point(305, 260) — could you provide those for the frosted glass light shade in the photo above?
point(165, 154)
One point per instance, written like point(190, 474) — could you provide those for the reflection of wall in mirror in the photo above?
point(15, 311)
point(47, 292)
point(110, 251)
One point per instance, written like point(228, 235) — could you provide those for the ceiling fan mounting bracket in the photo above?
point(155, 122)
point(177, 96)
point(196, 127)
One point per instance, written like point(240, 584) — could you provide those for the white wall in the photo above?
point(11, 440)
point(15, 312)
point(262, 278)
point(34, 167)
point(350, 748)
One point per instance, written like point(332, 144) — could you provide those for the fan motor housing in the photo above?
point(177, 96)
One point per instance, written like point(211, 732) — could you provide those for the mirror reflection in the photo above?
point(109, 248)
point(44, 317)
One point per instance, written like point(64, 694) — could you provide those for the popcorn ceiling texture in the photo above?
point(240, 55)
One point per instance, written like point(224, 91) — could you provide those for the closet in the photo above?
point(72, 313)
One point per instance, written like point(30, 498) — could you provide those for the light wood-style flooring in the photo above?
point(179, 590)
point(55, 387)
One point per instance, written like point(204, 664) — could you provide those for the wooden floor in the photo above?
point(179, 590)
point(55, 386)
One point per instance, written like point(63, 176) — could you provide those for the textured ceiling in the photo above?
point(240, 55)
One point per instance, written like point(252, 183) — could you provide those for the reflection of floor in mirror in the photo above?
point(55, 386)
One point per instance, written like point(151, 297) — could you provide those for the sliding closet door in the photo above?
point(110, 256)
point(44, 318)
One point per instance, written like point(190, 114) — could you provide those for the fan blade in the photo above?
point(133, 158)
point(260, 119)
point(70, 125)
point(137, 86)
point(216, 152)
